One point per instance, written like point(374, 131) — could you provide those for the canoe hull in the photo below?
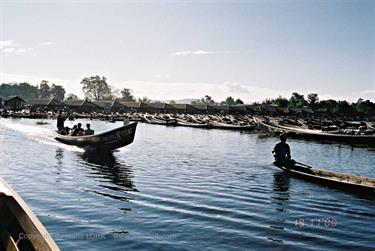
point(20, 229)
point(110, 140)
point(351, 183)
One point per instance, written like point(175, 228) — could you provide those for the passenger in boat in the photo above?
point(73, 130)
point(60, 121)
point(79, 130)
point(281, 152)
point(88, 130)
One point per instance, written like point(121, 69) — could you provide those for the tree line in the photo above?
point(27, 91)
point(97, 88)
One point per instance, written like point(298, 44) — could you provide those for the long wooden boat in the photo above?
point(224, 126)
point(20, 229)
point(316, 134)
point(109, 140)
point(352, 183)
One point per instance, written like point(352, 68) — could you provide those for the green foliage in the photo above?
point(343, 108)
point(207, 100)
point(127, 95)
point(281, 102)
point(96, 88)
point(239, 102)
point(144, 100)
point(230, 101)
point(71, 96)
point(27, 91)
point(44, 89)
point(312, 99)
point(329, 104)
point(297, 100)
point(58, 92)
point(366, 107)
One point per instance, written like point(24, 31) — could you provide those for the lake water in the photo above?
point(186, 189)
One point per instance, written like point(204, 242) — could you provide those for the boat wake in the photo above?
point(40, 134)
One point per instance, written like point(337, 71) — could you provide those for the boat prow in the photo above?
point(109, 140)
point(20, 229)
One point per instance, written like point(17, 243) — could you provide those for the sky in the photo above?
point(186, 49)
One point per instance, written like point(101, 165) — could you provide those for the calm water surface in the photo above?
point(185, 189)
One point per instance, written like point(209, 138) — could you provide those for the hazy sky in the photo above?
point(186, 49)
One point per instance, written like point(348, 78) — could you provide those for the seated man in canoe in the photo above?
point(281, 153)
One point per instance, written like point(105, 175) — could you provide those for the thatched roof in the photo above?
point(131, 104)
point(156, 105)
point(45, 102)
point(76, 102)
point(9, 98)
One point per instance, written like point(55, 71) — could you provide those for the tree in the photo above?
point(144, 100)
point(344, 108)
point(23, 89)
point(281, 102)
point(239, 102)
point(113, 93)
point(207, 100)
point(96, 88)
point(229, 101)
point(58, 92)
point(127, 95)
point(313, 99)
point(71, 96)
point(44, 89)
point(329, 104)
point(297, 100)
point(172, 102)
point(366, 107)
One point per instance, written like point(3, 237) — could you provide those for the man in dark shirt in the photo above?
point(60, 121)
point(281, 152)
point(89, 131)
point(78, 131)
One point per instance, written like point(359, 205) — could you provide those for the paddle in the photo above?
point(303, 164)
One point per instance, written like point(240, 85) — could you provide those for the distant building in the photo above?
point(111, 106)
point(13, 103)
point(153, 107)
point(180, 108)
point(131, 106)
point(46, 103)
point(82, 105)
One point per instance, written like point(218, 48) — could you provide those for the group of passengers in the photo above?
point(76, 130)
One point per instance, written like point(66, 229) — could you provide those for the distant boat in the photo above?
point(109, 140)
point(315, 134)
point(352, 183)
point(20, 229)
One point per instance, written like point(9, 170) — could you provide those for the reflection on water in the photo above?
point(281, 183)
point(198, 190)
point(111, 168)
point(59, 156)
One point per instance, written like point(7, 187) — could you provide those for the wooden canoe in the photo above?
point(352, 183)
point(109, 140)
point(225, 126)
point(20, 229)
point(301, 133)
